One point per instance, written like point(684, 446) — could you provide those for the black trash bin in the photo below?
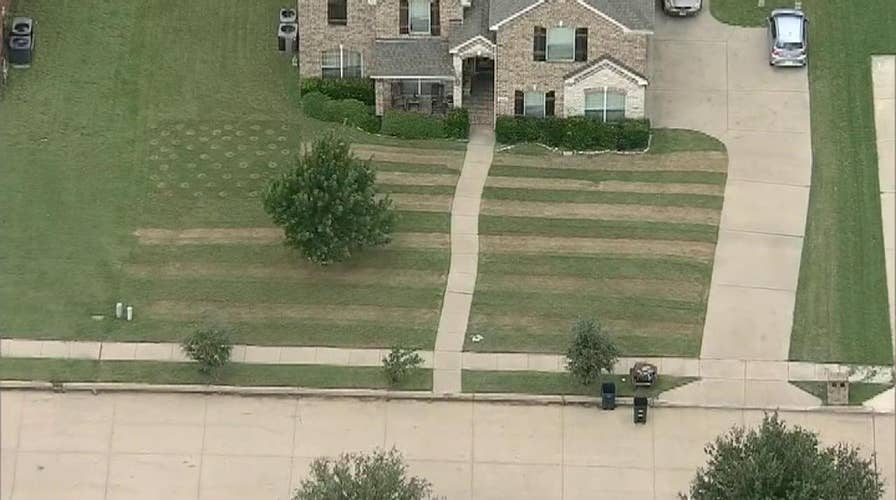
point(608, 396)
point(640, 410)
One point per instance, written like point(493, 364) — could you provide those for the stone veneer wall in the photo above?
point(574, 94)
point(515, 69)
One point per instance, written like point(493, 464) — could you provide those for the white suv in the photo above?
point(788, 33)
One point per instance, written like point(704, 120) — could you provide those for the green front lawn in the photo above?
point(240, 374)
point(558, 383)
point(841, 307)
point(174, 116)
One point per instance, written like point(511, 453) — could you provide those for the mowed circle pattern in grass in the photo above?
point(627, 240)
point(206, 254)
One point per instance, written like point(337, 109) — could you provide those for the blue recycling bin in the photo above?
point(608, 396)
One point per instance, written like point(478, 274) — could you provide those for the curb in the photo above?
point(500, 398)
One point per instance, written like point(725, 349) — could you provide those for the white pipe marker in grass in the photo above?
point(130, 313)
point(119, 310)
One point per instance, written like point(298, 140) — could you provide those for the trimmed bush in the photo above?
point(360, 89)
point(350, 112)
point(457, 123)
point(576, 133)
point(409, 125)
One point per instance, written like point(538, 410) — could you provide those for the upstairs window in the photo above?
point(560, 44)
point(419, 14)
point(418, 17)
point(605, 104)
point(337, 12)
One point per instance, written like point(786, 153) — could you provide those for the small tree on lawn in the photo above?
point(399, 363)
point(780, 462)
point(381, 474)
point(591, 352)
point(210, 347)
point(328, 206)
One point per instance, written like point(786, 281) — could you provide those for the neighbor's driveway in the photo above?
point(715, 78)
point(173, 447)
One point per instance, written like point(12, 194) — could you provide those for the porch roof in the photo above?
point(411, 57)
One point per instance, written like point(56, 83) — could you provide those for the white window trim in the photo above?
point(342, 61)
point(428, 20)
point(603, 110)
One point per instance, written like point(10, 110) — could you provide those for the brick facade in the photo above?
point(515, 68)
point(367, 21)
point(611, 78)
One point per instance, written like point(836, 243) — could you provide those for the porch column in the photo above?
point(458, 80)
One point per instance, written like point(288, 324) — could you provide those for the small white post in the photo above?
point(130, 313)
point(119, 310)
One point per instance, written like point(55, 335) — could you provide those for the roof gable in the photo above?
point(602, 63)
point(630, 15)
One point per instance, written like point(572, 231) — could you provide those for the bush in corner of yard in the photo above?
point(399, 364)
point(590, 352)
point(516, 129)
point(457, 123)
point(633, 135)
point(210, 347)
point(360, 89)
point(409, 125)
point(351, 112)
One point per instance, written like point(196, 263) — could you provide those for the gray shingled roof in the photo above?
point(476, 23)
point(411, 57)
point(633, 14)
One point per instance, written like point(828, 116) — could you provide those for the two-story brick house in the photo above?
point(495, 57)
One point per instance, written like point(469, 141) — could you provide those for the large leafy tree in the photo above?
point(328, 205)
point(775, 461)
point(378, 475)
point(590, 352)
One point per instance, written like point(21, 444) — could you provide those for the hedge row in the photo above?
point(350, 112)
point(409, 125)
point(360, 89)
point(576, 133)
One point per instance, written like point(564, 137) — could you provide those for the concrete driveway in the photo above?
point(716, 79)
point(142, 446)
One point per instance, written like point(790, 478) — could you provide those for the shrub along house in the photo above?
point(493, 57)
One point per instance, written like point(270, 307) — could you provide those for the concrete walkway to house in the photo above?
point(883, 74)
point(715, 78)
point(464, 261)
point(189, 447)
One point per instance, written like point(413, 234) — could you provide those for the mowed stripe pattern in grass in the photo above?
point(625, 240)
point(244, 277)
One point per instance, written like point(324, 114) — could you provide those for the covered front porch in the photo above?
point(428, 96)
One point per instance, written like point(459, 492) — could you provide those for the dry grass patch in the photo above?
point(709, 161)
point(300, 272)
point(703, 252)
point(413, 179)
point(549, 326)
point(604, 186)
point(450, 159)
point(264, 236)
point(422, 202)
point(601, 211)
point(170, 310)
point(654, 288)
